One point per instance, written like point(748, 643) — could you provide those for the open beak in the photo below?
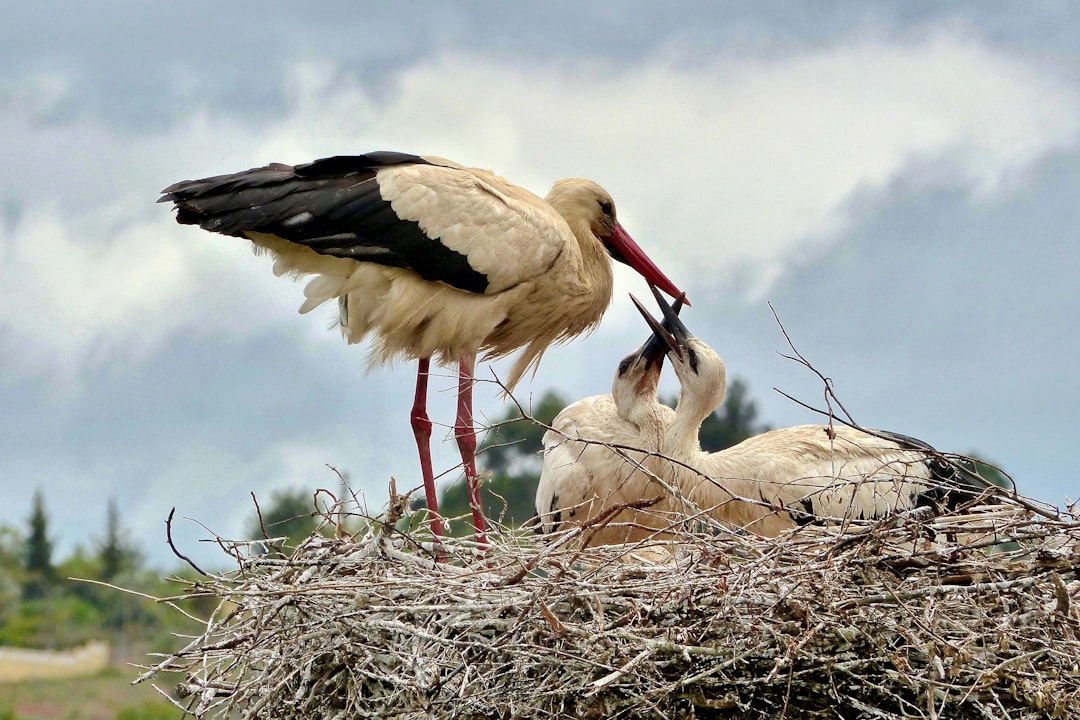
point(661, 342)
point(622, 247)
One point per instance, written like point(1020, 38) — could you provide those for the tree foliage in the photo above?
point(513, 445)
point(46, 604)
point(988, 471)
point(11, 571)
point(290, 514)
point(115, 553)
point(37, 553)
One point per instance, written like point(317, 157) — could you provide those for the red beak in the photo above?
point(623, 248)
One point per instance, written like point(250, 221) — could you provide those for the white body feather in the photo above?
point(839, 474)
point(600, 453)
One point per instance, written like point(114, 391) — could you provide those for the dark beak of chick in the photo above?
point(672, 323)
point(662, 341)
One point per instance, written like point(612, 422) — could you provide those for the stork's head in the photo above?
point(585, 202)
point(638, 375)
point(636, 381)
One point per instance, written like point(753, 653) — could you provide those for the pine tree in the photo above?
point(114, 553)
point(37, 554)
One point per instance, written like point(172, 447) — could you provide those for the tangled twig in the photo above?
point(860, 623)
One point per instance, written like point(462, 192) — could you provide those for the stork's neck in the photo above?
point(715, 481)
point(681, 438)
point(701, 392)
point(637, 404)
point(596, 270)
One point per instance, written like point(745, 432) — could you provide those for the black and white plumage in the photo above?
point(432, 259)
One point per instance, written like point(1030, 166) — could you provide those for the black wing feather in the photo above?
point(331, 205)
point(952, 486)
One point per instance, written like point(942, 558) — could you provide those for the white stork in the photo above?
point(433, 259)
point(600, 453)
point(780, 478)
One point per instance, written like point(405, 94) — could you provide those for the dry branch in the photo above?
point(871, 622)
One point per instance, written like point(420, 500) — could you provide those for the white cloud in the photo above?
point(718, 167)
point(746, 161)
point(729, 162)
point(77, 292)
point(66, 293)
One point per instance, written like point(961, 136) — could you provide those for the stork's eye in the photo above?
point(606, 207)
point(624, 366)
point(692, 358)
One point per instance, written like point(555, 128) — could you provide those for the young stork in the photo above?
point(798, 474)
point(433, 259)
point(600, 453)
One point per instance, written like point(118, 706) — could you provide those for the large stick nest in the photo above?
point(873, 621)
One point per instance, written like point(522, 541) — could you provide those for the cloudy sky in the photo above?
point(900, 180)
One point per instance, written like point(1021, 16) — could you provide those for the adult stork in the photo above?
point(432, 258)
point(771, 482)
point(600, 453)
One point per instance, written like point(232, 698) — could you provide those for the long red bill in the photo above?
point(623, 248)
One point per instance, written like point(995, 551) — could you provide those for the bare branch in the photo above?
point(172, 546)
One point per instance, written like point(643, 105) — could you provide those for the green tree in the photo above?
point(987, 470)
point(11, 571)
point(37, 553)
point(513, 444)
point(11, 549)
point(290, 514)
point(115, 553)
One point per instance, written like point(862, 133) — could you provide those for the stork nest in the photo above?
point(867, 621)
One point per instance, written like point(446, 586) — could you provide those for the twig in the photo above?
point(185, 558)
point(936, 590)
point(258, 514)
point(826, 382)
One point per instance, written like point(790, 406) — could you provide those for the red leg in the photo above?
point(421, 425)
point(465, 433)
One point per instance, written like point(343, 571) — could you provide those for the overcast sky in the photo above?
point(900, 180)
